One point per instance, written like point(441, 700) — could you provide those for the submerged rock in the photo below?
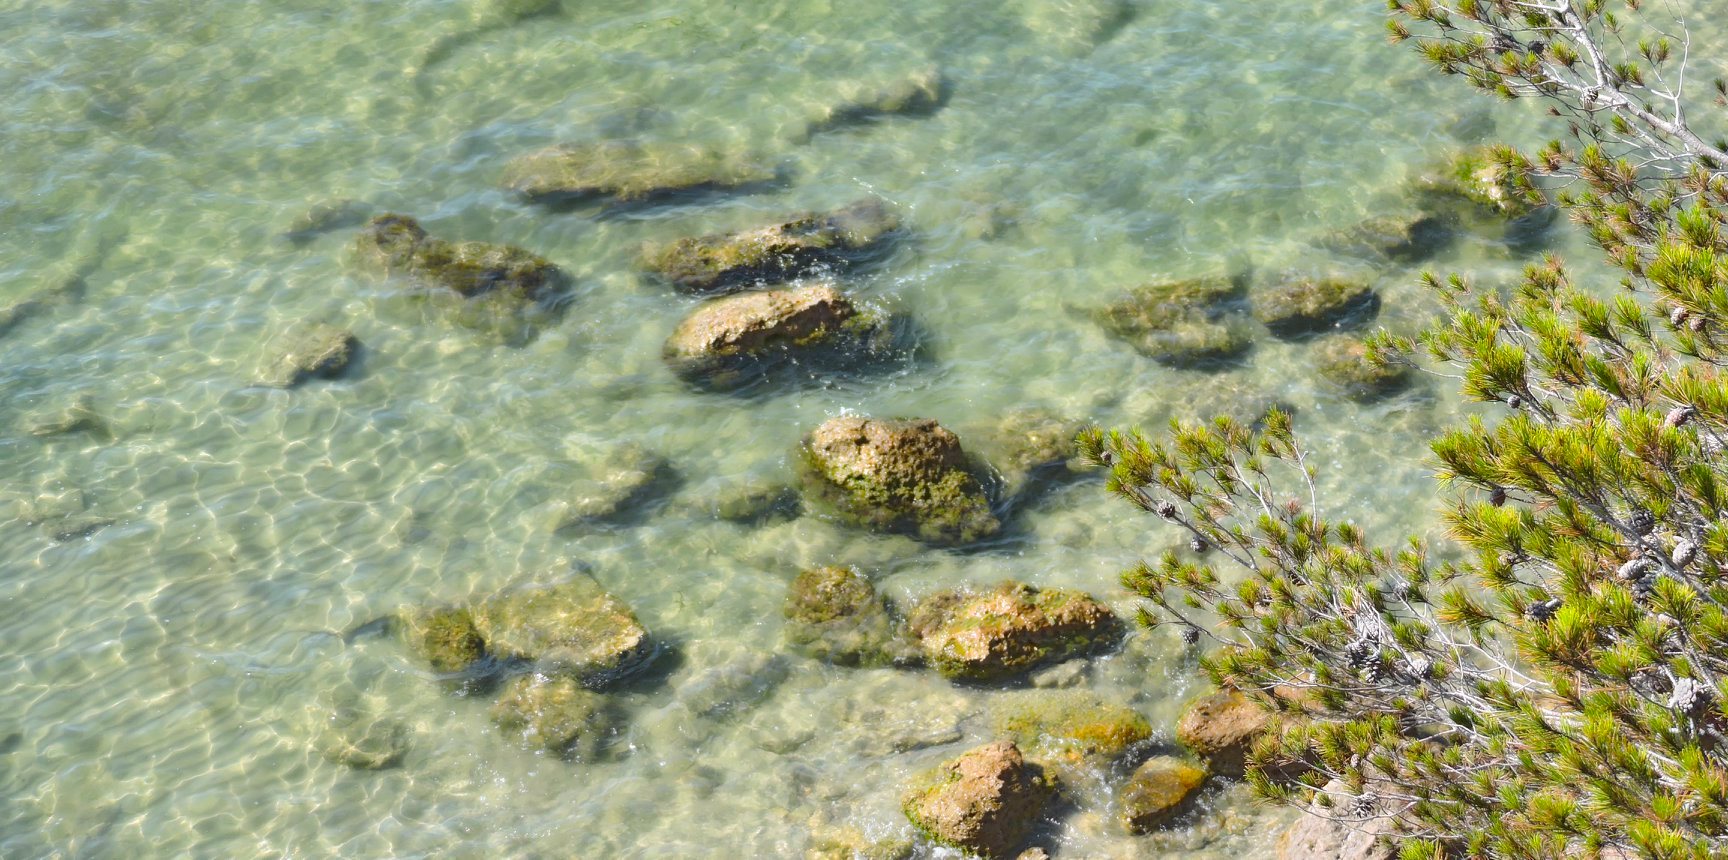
point(443, 636)
point(918, 94)
point(1009, 629)
point(1071, 728)
point(491, 288)
point(733, 339)
point(1305, 306)
point(555, 714)
point(834, 614)
point(628, 172)
point(79, 415)
point(803, 245)
point(1030, 447)
point(1077, 26)
point(908, 476)
point(1343, 362)
point(327, 217)
point(1477, 177)
point(983, 803)
point(1221, 728)
point(751, 502)
point(1193, 323)
point(1160, 789)
point(1402, 239)
point(573, 628)
point(849, 843)
point(1335, 833)
point(308, 351)
point(629, 477)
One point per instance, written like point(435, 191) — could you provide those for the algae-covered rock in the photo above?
point(908, 476)
point(626, 172)
point(75, 415)
point(920, 93)
point(1485, 181)
point(327, 217)
point(849, 843)
point(1192, 323)
point(1343, 362)
point(754, 502)
point(731, 340)
point(983, 803)
point(1304, 306)
point(1160, 789)
point(556, 714)
point(1009, 629)
point(1221, 728)
point(834, 614)
point(1077, 26)
point(490, 288)
point(443, 636)
point(574, 628)
point(1071, 727)
point(803, 245)
point(629, 476)
point(310, 351)
point(1399, 238)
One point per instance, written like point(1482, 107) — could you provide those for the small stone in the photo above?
point(1071, 728)
point(1404, 239)
point(573, 628)
point(902, 476)
point(1160, 789)
point(1009, 630)
point(734, 340)
point(77, 416)
point(1344, 362)
point(804, 245)
point(1337, 833)
point(445, 637)
point(327, 217)
point(834, 614)
point(309, 351)
point(1196, 323)
point(629, 172)
point(351, 736)
point(920, 93)
point(983, 803)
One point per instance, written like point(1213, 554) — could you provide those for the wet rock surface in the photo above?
point(1161, 789)
point(1332, 833)
point(1033, 449)
point(1395, 238)
point(444, 637)
point(327, 217)
point(625, 478)
point(905, 476)
point(623, 171)
point(920, 93)
point(730, 341)
point(984, 803)
point(1196, 323)
point(1009, 629)
point(572, 628)
point(807, 244)
point(1221, 729)
point(1077, 727)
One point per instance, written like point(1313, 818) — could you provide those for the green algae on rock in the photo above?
point(1072, 727)
point(1033, 447)
point(983, 803)
point(1009, 629)
point(629, 172)
point(1485, 181)
point(1343, 361)
point(1303, 306)
point(1191, 323)
point(573, 628)
point(310, 351)
point(1221, 728)
point(903, 476)
point(834, 614)
point(805, 244)
point(443, 636)
point(729, 341)
point(1402, 239)
point(1161, 788)
point(498, 289)
point(556, 714)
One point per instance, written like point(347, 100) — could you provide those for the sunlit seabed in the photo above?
point(165, 673)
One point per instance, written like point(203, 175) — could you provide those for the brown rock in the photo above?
point(1009, 629)
point(898, 476)
point(1221, 728)
point(1159, 790)
point(724, 338)
point(984, 802)
point(1332, 833)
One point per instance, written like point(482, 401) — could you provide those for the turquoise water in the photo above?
point(175, 586)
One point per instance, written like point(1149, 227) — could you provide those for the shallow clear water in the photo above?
point(165, 669)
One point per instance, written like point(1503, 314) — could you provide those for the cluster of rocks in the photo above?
point(550, 650)
point(989, 801)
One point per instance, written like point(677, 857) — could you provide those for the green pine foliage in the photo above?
point(1563, 690)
